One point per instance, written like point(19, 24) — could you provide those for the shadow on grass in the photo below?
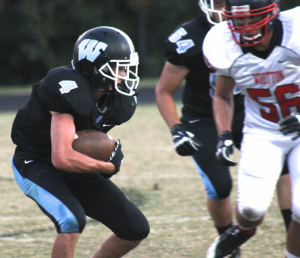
point(7, 179)
point(134, 196)
point(21, 233)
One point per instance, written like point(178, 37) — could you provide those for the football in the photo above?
point(95, 144)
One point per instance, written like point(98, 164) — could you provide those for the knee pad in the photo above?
point(71, 224)
point(251, 213)
point(218, 191)
point(296, 209)
point(135, 233)
point(296, 217)
point(137, 226)
point(141, 233)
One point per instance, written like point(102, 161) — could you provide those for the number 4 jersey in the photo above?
point(270, 80)
point(65, 90)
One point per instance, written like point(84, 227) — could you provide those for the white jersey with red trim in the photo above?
point(271, 86)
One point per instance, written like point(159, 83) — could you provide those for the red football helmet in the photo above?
point(250, 21)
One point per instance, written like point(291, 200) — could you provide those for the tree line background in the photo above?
point(37, 35)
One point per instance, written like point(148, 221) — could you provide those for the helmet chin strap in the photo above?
point(122, 87)
point(105, 102)
point(99, 81)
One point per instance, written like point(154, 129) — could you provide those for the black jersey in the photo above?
point(184, 47)
point(66, 90)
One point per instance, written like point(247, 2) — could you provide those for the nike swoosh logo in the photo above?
point(194, 121)
point(281, 61)
point(104, 125)
point(27, 161)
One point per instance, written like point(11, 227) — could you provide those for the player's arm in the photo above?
point(172, 76)
point(170, 80)
point(63, 155)
point(223, 106)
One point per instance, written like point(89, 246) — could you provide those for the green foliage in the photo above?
point(37, 35)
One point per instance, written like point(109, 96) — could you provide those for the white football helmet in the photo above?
point(209, 7)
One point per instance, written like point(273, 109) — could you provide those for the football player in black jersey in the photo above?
point(195, 132)
point(97, 92)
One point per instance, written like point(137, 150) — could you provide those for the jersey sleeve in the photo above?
point(291, 23)
point(220, 50)
point(184, 44)
point(171, 55)
point(66, 92)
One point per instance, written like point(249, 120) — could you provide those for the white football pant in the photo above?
point(261, 162)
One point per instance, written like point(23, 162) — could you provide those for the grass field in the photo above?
point(164, 186)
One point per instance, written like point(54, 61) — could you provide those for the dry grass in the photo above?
point(166, 187)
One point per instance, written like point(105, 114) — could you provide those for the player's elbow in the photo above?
point(60, 162)
point(221, 99)
point(162, 95)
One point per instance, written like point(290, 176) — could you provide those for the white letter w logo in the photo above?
point(90, 49)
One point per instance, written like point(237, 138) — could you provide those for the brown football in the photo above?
point(95, 144)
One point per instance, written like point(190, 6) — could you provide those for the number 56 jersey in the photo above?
point(270, 80)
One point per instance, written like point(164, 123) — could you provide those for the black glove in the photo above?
point(116, 159)
point(185, 143)
point(290, 124)
point(225, 147)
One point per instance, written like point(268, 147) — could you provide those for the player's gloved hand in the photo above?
point(225, 147)
point(185, 143)
point(290, 124)
point(116, 159)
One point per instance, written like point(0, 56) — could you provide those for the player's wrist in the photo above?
point(225, 132)
point(109, 171)
point(176, 128)
point(112, 168)
point(225, 135)
point(225, 148)
point(107, 168)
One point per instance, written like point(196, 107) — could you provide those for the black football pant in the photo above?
point(66, 198)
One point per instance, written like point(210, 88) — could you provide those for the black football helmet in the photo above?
point(260, 15)
point(109, 50)
point(209, 7)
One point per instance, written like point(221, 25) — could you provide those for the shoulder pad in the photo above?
point(186, 41)
point(291, 22)
point(68, 92)
point(221, 56)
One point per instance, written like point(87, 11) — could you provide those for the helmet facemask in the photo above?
point(260, 23)
point(209, 7)
point(129, 81)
